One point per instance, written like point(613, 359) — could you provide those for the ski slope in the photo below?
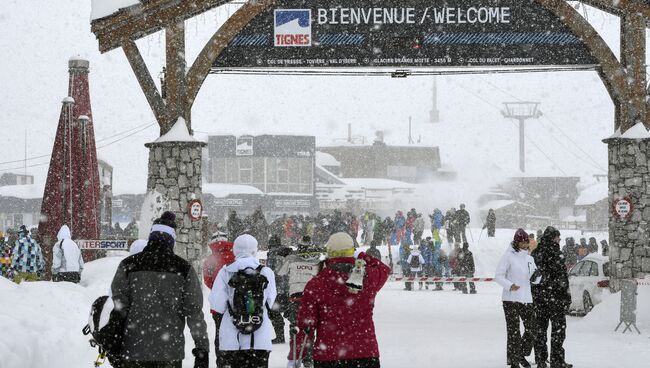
point(42, 323)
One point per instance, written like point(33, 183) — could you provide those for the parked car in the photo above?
point(587, 279)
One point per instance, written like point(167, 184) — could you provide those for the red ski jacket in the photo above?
point(342, 320)
point(222, 255)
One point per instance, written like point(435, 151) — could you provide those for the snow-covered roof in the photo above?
point(104, 8)
point(496, 204)
point(224, 190)
point(638, 131)
point(377, 183)
point(325, 159)
point(579, 218)
point(178, 133)
point(28, 191)
point(593, 194)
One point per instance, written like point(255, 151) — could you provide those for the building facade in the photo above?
point(411, 164)
point(281, 167)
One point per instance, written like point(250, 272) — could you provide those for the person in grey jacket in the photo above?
point(156, 293)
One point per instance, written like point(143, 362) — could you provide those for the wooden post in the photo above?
point(177, 105)
point(633, 48)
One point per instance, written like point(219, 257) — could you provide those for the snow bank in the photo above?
point(178, 133)
point(103, 8)
point(224, 190)
point(638, 131)
point(325, 159)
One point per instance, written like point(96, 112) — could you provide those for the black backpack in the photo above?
point(247, 309)
point(415, 262)
point(106, 328)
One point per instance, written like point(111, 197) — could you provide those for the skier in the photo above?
point(275, 258)
point(490, 223)
point(157, 293)
point(454, 265)
point(593, 245)
point(552, 299)
point(462, 219)
point(437, 259)
point(222, 255)
point(299, 267)
point(450, 226)
point(27, 259)
point(583, 249)
point(604, 247)
point(5, 258)
point(437, 220)
point(410, 226)
point(418, 229)
point(570, 252)
point(241, 293)
point(67, 263)
point(415, 262)
point(337, 306)
point(426, 250)
point(373, 251)
point(466, 268)
point(515, 272)
point(399, 230)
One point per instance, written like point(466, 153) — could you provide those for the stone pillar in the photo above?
point(175, 172)
point(629, 250)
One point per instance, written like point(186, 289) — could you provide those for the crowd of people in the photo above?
point(21, 257)
point(326, 292)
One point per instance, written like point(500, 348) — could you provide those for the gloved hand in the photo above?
point(200, 358)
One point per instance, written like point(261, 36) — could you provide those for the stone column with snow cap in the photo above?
point(175, 172)
point(629, 176)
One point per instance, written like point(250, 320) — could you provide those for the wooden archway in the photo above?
point(625, 80)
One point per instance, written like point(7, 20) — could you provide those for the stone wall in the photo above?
point(629, 250)
point(175, 172)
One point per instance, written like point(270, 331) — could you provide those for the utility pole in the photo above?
point(521, 111)
point(410, 136)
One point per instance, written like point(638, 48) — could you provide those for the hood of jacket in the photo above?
point(221, 246)
point(64, 233)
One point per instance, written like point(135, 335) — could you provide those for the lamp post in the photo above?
point(521, 111)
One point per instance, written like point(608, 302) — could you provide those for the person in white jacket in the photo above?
point(67, 262)
point(415, 262)
point(515, 272)
point(237, 349)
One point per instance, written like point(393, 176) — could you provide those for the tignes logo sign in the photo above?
point(292, 27)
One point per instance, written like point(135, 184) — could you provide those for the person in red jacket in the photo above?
point(222, 255)
point(337, 306)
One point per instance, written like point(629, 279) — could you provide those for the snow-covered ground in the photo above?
point(41, 323)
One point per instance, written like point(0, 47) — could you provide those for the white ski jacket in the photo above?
point(229, 337)
point(516, 267)
point(415, 253)
point(66, 256)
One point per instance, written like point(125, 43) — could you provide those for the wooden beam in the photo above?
point(218, 42)
point(141, 20)
point(622, 7)
point(610, 70)
point(147, 84)
point(175, 74)
point(633, 51)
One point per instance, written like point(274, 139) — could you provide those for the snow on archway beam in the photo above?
point(399, 73)
point(140, 18)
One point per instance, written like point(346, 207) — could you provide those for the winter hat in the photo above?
point(219, 236)
point(163, 229)
point(521, 236)
point(137, 246)
point(340, 245)
point(245, 246)
point(550, 233)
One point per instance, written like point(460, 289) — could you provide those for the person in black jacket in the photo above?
point(277, 253)
point(466, 268)
point(373, 251)
point(552, 299)
point(156, 293)
point(490, 223)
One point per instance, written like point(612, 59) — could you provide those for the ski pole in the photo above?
point(304, 343)
point(294, 336)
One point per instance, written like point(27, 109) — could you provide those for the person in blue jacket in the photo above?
point(427, 254)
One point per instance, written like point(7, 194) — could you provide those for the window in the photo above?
point(576, 269)
point(245, 170)
point(594, 269)
point(292, 175)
